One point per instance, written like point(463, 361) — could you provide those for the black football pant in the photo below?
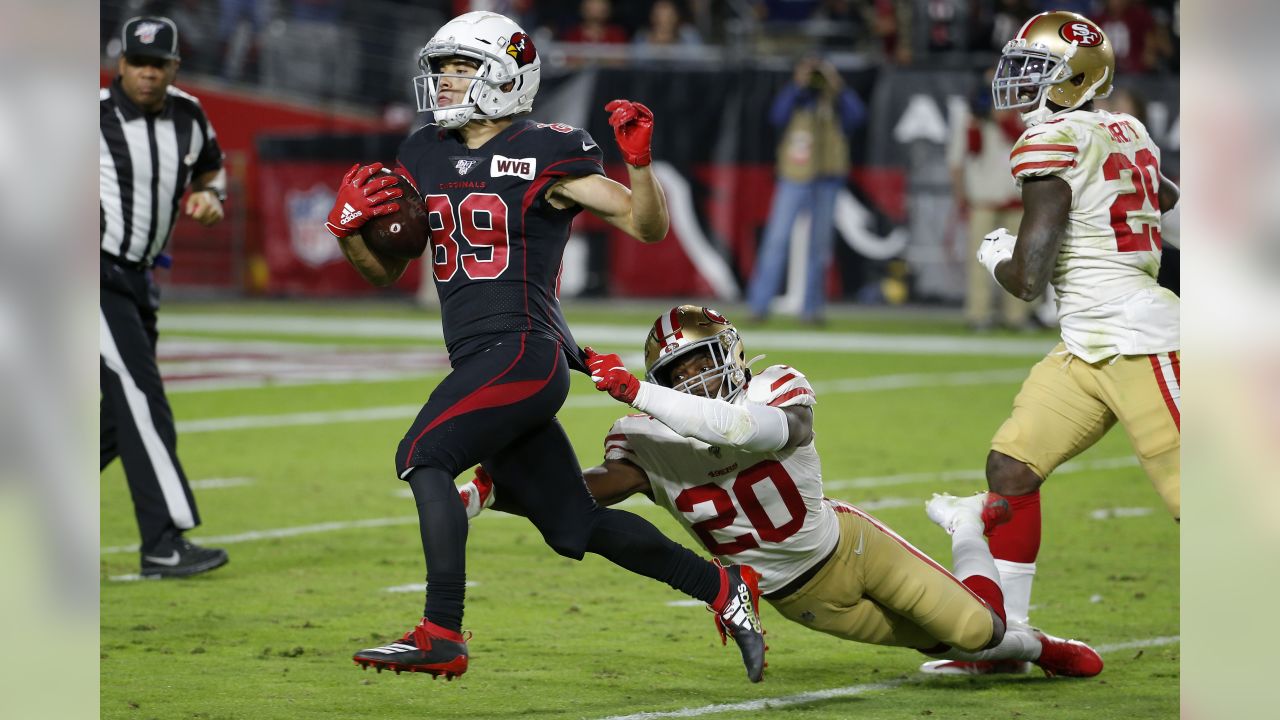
point(136, 422)
point(497, 408)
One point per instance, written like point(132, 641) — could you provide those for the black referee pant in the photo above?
point(137, 424)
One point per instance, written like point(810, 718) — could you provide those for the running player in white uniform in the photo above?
point(731, 455)
point(1094, 197)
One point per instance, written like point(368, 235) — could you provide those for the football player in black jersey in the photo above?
point(501, 191)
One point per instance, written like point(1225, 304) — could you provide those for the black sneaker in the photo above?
point(177, 556)
point(740, 618)
point(426, 648)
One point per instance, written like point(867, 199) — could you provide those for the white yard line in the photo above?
point(866, 482)
point(245, 422)
point(216, 483)
point(909, 381)
point(878, 383)
point(953, 475)
point(1120, 512)
point(283, 532)
point(1149, 642)
point(419, 587)
point(613, 335)
point(773, 703)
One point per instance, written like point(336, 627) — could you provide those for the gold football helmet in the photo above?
point(1058, 57)
point(687, 329)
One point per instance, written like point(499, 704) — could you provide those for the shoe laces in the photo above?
point(421, 638)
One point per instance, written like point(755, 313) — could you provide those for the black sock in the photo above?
point(442, 521)
point(634, 543)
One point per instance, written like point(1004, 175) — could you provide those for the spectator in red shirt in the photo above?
point(595, 26)
point(1129, 26)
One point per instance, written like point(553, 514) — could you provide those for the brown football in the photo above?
point(402, 234)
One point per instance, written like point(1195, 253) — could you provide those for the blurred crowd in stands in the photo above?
point(344, 48)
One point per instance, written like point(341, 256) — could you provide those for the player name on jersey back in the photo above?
point(1109, 302)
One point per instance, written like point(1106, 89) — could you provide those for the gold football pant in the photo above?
point(877, 588)
point(1066, 404)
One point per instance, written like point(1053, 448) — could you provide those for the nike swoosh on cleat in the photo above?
point(171, 561)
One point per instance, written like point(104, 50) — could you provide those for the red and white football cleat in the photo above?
point(978, 667)
point(477, 494)
point(987, 510)
point(1067, 658)
point(426, 648)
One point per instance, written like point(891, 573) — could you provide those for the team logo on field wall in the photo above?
point(307, 211)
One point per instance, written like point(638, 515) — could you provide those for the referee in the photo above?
point(155, 141)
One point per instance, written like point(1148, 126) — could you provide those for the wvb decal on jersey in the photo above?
point(524, 168)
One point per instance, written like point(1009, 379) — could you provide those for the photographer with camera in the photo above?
point(817, 113)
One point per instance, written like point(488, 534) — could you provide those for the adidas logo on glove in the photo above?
point(348, 214)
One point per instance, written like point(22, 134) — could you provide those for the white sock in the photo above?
point(1018, 644)
point(970, 555)
point(1015, 581)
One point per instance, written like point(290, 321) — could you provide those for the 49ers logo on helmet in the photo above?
point(1081, 33)
point(521, 49)
point(714, 316)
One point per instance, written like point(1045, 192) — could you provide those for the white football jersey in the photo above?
point(1108, 300)
point(762, 509)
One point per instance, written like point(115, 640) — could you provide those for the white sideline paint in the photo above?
point(752, 706)
point(615, 335)
point(882, 503)
point(1149, 642)
point(419, 587)
point(204, 365)
point(953, 475)
point(876, 383)
point(215, 483)
point(284, 532)
point(1120, 512)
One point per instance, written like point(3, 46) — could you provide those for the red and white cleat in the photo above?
point(987, 510)
point(1067, 658)
point(477, 495)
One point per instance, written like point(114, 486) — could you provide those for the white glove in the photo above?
point(996, 247)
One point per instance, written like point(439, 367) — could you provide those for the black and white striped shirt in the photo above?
point(146, 163)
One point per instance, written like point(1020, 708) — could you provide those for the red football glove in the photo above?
point(360, 198)
point(611, 376)
point(633, 126)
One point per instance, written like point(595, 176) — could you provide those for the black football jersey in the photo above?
point(496, 243)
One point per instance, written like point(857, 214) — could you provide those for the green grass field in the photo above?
point(271, 635)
